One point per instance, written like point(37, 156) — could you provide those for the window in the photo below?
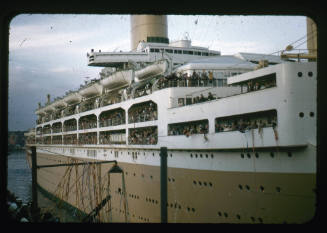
point(180, 102)
point(189, 128)
point(256, 120)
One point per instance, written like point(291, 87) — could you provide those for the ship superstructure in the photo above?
point(241, 137)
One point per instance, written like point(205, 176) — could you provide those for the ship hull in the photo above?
point(195, 195)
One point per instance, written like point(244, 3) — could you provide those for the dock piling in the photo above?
point(163, 184)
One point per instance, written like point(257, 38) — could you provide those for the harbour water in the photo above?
point(20, 184)
point(19, 175)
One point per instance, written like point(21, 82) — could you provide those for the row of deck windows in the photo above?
point(142, 112)
point(178, 51)
point(195, 80)
point(149, 135)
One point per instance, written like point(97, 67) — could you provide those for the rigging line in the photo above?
point(306, 35)
point(310, 37)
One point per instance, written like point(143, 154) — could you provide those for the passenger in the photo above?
point(210, 96)
point(202, 99)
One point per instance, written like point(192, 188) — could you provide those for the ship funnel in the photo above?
point(148, 28)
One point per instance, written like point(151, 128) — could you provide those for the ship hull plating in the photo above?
point(260, 195)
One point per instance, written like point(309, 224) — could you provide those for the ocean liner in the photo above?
point(240, 133)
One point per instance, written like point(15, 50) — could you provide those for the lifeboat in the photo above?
point(60, 104)
point(49, 108)
point(73, 98)
point(92, 90)
point(118, 79)
point(40, 112)
point(151, 70)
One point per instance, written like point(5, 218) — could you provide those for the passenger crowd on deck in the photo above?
point(255, 85)
point(189, 128)
point(57, 140)
point(107, 137)
point(70, 126)
point(143, 112)
point(47, 140)
point(87, 138)
point(88, 122)
point(143, 136)
point(245, 123)
point(56, 128)
point(185, 80)
point(112, 118)
point(70, 139)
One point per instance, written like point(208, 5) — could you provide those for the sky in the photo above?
point(47, 52)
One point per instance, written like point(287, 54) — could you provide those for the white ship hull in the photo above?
point(262, 175)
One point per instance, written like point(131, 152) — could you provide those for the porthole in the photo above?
point(212, 156)
point(242, 155)
point(238, 216)
point(200, 155)
point(219, 214)
point(256, 154)
point(200, 183)
point(191, 156)
point(205, 183)
point(260, 220)
point(301, 114)
point(240, 187)
point(210, 184)
point(152, 154)
point(193, 209)
point(194, 182)
point(289, 154)
point(196, 155)
point(278, 189)
point(172, 179)
point(299, 74)
point(253, 219)
point(171, 155)
point(312, 114)
point(247, 187)
point(226, 215)
point(248, 155)
point(310, 74)
point(272, 154)
point(207, 156)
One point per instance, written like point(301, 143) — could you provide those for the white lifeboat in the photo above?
point(40, 112)
point(73, 98)
point(93, 90)
point(49, 108)
point(118, 79)
point(59, 104)
point(151, 70)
